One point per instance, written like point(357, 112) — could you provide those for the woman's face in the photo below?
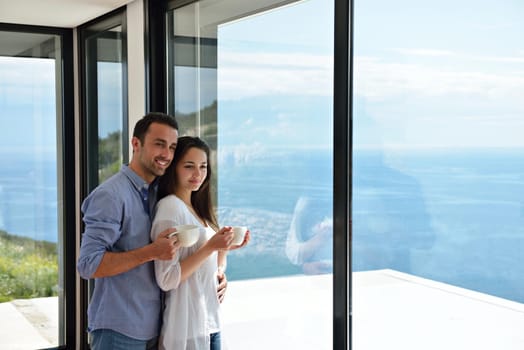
point(191, 170)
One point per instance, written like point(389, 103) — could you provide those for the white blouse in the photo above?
point(192, 308)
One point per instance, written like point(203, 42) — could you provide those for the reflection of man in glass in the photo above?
point(310, 238)
point(388, 210)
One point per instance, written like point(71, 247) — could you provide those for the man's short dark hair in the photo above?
point(143, 124)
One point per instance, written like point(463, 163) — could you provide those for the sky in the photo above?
point(426, 74)
point(280, 63)
point(438, 74)
point(27, 105)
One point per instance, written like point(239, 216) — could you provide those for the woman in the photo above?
point(191, 315)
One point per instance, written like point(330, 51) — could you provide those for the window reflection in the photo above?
point(309, 242)
point(437, 147)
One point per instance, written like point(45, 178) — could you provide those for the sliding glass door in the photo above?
point(255, 81)
point(438, 219)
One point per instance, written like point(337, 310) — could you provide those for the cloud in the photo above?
point(499, 59)
point(423, 52)
point(241, 154)
point(243, 75)
point(452, 100)
point(27, 79)
point(377, 79)
point(20, 69)
point(519, 58)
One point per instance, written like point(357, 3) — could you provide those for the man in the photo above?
point(125, 308)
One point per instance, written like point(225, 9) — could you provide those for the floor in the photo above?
point(391, 310)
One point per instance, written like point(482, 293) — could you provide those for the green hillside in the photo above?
point(28, 268)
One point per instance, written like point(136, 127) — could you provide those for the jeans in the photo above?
point(107, 339)
point(215, 341)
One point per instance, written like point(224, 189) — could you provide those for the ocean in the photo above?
point(452, 216)
point(28, 196)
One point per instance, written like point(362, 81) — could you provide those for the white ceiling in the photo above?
point(55, 13)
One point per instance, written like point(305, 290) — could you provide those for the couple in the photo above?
point(132, 256)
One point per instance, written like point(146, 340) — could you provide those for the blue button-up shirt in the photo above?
point(117, 220)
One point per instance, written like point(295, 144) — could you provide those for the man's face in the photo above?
point(151, 158)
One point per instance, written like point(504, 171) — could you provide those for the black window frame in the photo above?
point(342, 173)
point(67, 304)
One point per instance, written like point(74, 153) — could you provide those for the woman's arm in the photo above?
point(167, 272)
point(222, 261)
point(219, 241)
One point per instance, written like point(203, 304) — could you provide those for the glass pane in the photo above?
point(31, 280)
point(110, 103)
point(260, 83)
point(437, 177)
point(105, 104)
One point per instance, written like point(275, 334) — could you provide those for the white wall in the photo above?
point(136, 64)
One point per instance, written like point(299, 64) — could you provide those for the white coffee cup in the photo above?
point(239, 232)
point(187, 235)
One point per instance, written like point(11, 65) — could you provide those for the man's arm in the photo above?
point(163, 248)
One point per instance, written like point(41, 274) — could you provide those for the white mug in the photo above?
point(239, 234)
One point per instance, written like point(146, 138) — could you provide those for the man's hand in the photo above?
point(114, 263)
point(222, 285)
point(165, 247)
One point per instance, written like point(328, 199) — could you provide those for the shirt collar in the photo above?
point(136, 180)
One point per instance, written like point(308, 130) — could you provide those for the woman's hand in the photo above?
point(222, 239)
point(247, 237)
